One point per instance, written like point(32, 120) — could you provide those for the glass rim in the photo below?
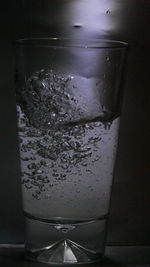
point(58, 42)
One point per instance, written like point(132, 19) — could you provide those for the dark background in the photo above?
point(126, 20)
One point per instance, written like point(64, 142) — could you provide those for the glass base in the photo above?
point(65, 243)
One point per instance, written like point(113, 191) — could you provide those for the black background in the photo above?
point(114, 19)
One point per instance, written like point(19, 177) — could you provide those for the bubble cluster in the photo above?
point(45, 101)
point(52, 144)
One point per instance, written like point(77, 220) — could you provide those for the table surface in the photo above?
point(125, 256)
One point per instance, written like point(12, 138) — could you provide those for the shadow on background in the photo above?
point(130, 209)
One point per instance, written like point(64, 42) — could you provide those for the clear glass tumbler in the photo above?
point(68, 104)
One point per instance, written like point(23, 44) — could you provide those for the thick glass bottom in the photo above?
point(62, 242)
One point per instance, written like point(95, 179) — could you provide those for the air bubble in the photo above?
point(39, 171)
point(77, 191)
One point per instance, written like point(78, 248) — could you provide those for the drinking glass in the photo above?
point(68, 95)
